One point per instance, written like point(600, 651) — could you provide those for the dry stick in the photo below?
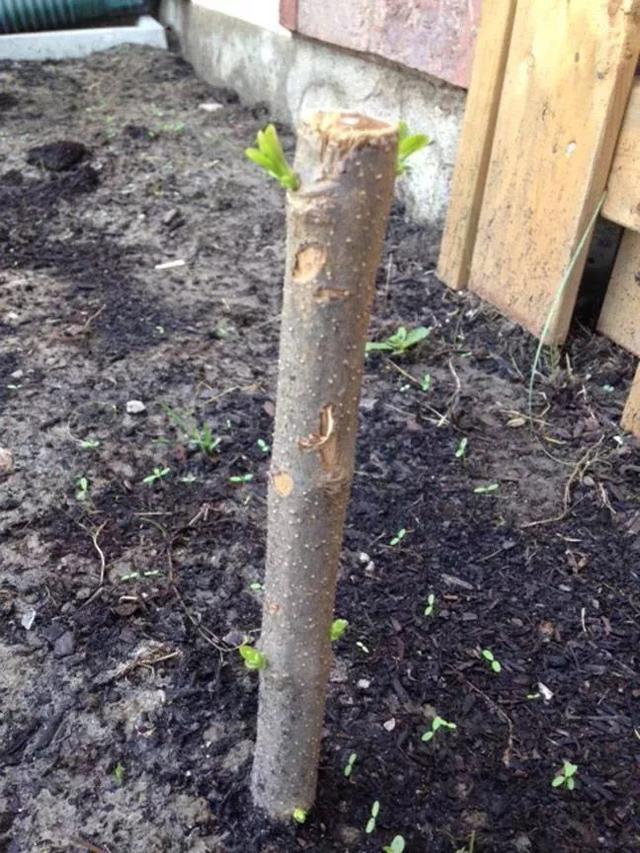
point(335, 228)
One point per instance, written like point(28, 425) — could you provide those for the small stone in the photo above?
point(210, 106)
point(363, 683)
point(363, 557)
point(6, 461)
point(135, 407)
point(389, 725)
point(64, 645)
point(17, 374)
point(235, 638)
point(28, 618)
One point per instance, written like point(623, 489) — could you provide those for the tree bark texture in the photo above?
point(336, 222)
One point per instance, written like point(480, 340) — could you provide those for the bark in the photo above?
point(335, 228)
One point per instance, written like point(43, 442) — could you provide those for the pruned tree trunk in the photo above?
point(335, 228)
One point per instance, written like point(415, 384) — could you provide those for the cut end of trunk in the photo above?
point(349, 130)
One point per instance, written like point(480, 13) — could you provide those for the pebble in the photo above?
point(6, 461)
point(135, 407)
point(363, 683)
point(28, 618)
point(210, 106)
point(64, 645)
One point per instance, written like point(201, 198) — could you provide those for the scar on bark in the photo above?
point(282, 483)
point(323, 441)
point(309, 261)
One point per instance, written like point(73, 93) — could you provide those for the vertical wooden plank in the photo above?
point(622, 204)
point(566, 86)
point(289, 14)
point(620, 315)
point(474, 148)
point(631, 414)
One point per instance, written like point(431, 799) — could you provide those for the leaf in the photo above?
point(427, 736)
point(338, 627)
point(378, 346)
point(408, 144)
point(371, 825)
point(375, 809)
point(571, 783)
point(270, 157)
point(487, 654)
point(496, 666)
point(484, 490)
point(397, 845)
point(437, 723)
point(462, 447)
point(299, 815)
point(557, 781)
point(569, 769)
point(252, 657)
point(416, 335)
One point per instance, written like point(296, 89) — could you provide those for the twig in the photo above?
point(506, 755)
point(94, 316)
point(204, 632)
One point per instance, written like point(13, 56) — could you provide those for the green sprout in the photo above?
point(425, 382)
point(82, 489)
point(158, 473)
point(398, 537)
point(348, 767)
point(371, 823)
point(338, 627)
point(118, 774)
point(262, 444)
point(436, 724)
point(90, 444)
point(252, 657)
point(239, 479)
point(430, 606)
point(256, 586)
point(400, 341)
point(408, 144)
point(362, 647)
point(461, 449)
point(485, 490)
point(493, 662)
point(397, 845)
point(299, 815)
point(270, 157)
point(201, 438)
point(565, 778)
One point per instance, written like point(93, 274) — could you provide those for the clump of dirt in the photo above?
point(132, 559)
point(57, 156)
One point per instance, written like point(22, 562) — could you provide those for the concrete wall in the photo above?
point(292, 74)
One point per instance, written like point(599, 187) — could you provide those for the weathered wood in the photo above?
point(566, 85)
point(620, 315)
point(631, 414)
point(474, 148)
point(335, 229)
point(622, 204)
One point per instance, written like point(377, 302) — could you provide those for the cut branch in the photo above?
point(335, 229)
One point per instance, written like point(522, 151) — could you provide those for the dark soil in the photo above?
point(127, 719)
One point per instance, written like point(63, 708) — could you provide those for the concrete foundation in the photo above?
point(72, 44)
point(292, 74)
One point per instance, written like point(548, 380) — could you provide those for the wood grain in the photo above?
point(566, 86)
point(631, 414)
point(474, 148)
point(622, 204)
point(620, 315)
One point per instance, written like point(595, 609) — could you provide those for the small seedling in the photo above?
point(118, 774)
point(431, 603)
point(408, 144)
point(371, 823)
point(490, 658)
point(252, 657)
point(299, 815)
point(90, 444)
point(348, 767)
point(398, 537)
point(270, 157)
point(188, 478)
point(461, 449)
point(565, 778)
point(400, 341)
point(256, 586)
point(362, 647)
point(201, 438)
point(239, 479)
point(436, 724)
point(158, 473)
point(485, 490)
point(397, 845)
point(425, 382)
point(262, 444)
point(338, 627)
point(82, 489)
